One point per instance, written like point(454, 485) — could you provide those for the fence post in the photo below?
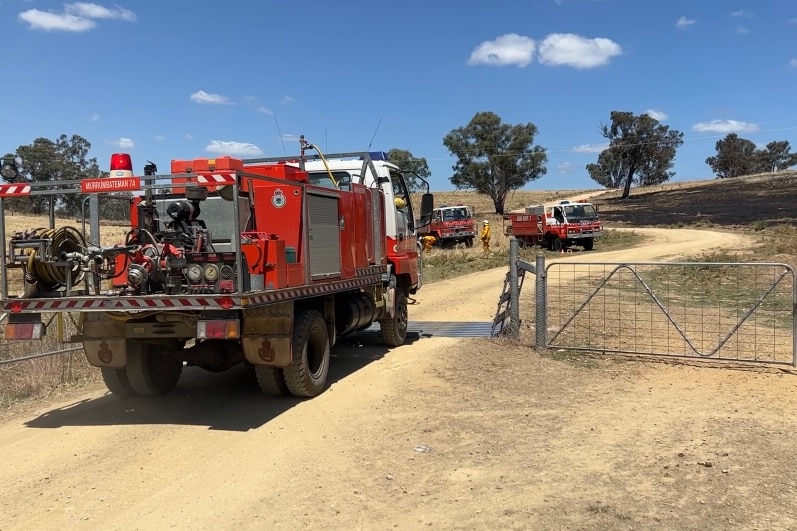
point(793, 322)
point(94, 219)
point(514, 289)
point(541, 304)
point(3, 277)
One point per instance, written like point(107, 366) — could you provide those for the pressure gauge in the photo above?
point(194, 273)
point(211, 272)
point(227, 272)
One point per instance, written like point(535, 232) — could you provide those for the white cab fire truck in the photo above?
point(263, 261)
point(556, 226)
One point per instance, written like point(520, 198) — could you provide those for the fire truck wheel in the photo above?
point(555, 244)
point(394, 330)
point(306, 376)
point(117, 382)
point(151, 372)
point(271, 380)
point(589, 243)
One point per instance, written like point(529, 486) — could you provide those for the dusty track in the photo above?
point(217, 454)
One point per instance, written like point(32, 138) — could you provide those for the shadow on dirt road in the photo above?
point(229, 401)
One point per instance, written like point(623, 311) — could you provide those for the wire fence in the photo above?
point(724, 311)
point(729, 311)
point(60, 327)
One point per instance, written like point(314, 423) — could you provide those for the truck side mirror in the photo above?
point(427, 206)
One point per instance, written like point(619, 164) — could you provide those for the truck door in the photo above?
point(405, 222)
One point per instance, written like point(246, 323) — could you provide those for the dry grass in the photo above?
point(110, 233)
point(44, 376)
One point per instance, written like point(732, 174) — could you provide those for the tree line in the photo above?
point(64, 159)
point(492, 158)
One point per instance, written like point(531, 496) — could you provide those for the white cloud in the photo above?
point(742, 14)
point(565, 168)
point(200, 96)
point(286, 100)
point(574, 50)
point(793, 63)
point(590, 148)
point(122, 143)
point(93, 11)
point(656, 115)
point(725, 126)
point(77, 17)
point(684, 22)
point(509, 49)
point(188, 136)
point(235, 149)
point(47, 21)
point(159, 138)
point(742, 30)
point(259, 107)
point(95, 117)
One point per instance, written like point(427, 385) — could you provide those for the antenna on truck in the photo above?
point(280, 134)
point(374, 135)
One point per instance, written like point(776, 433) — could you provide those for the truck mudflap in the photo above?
point(185, 302)
point(111, 353)
point(266, 335)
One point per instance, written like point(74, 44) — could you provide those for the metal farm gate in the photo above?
point(730, 311)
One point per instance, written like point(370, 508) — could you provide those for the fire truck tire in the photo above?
point(394, 330)
point(151, 373)
point(589, 243)
point(555, 244)
point(117, 382)
point(271, 380)
point(306, 376)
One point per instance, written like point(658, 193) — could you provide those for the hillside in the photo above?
point(762, 200)
point(765, 200)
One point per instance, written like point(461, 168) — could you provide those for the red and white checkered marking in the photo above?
point(183, 303)
point(14, 190)
point(312, 291)
point(119, 303)
point(216, 178)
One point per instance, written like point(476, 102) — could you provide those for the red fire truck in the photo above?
point(263, 261)
point(451, 225)
point(556, 226)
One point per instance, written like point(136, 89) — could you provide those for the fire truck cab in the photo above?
point(450, 225)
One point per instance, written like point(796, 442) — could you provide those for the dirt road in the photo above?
point(440, 433)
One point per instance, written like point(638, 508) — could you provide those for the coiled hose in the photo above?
point(47, 275)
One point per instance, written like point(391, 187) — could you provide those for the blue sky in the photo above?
point(178, 79)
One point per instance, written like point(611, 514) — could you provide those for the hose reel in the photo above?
point(44, 263)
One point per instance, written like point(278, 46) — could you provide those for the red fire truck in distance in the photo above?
point(556, 226)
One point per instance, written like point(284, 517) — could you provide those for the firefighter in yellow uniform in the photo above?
point(428, 241)
point(485, 236)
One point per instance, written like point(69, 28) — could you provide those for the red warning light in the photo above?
point(121, 165)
